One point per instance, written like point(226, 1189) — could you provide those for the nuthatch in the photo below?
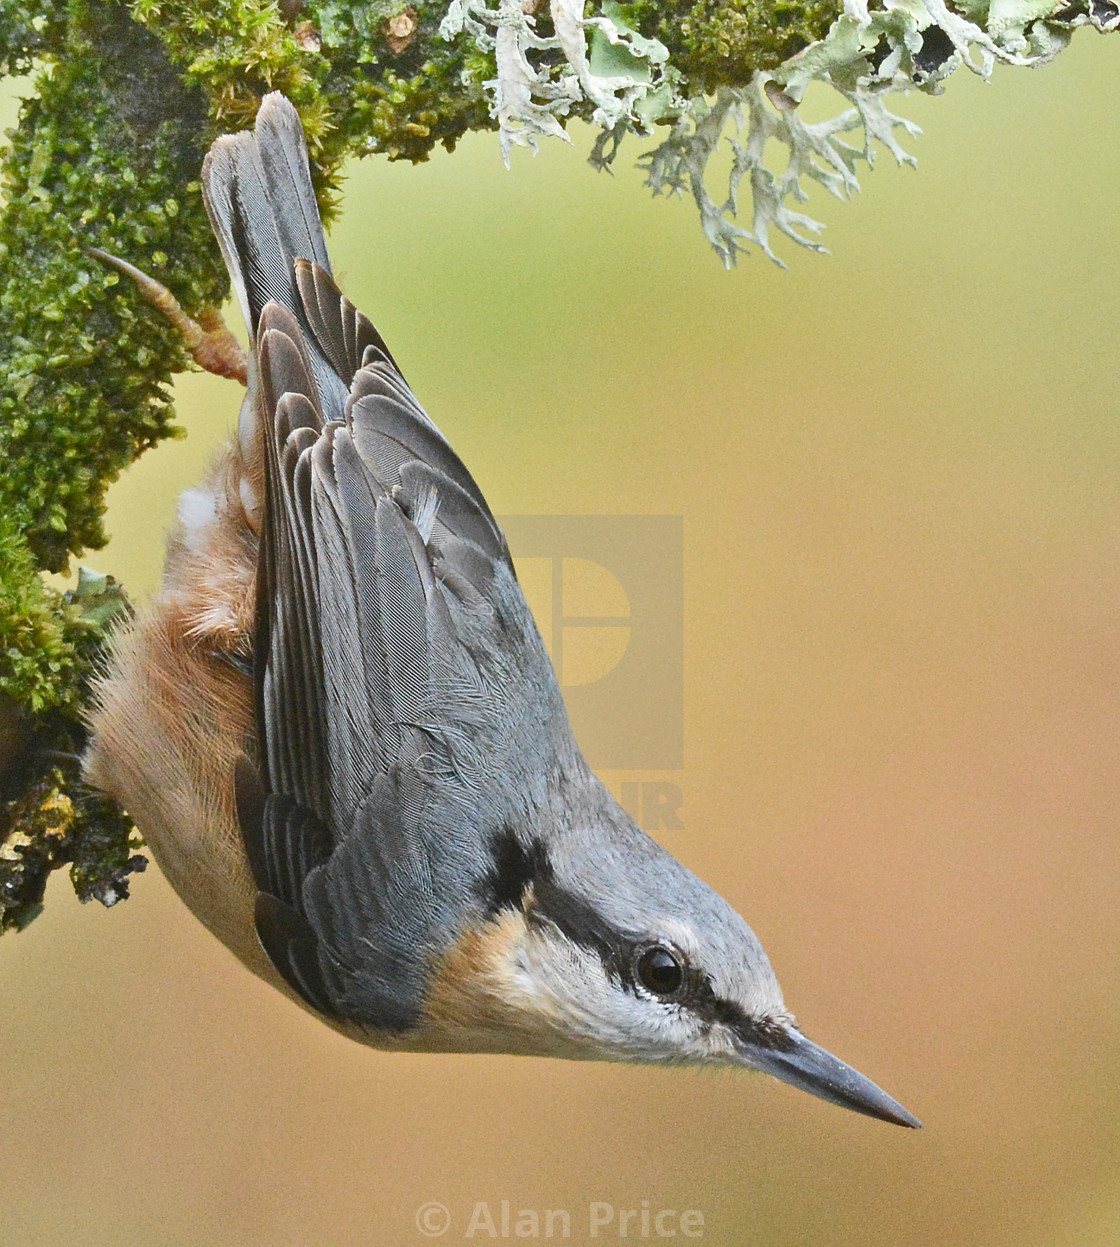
point(339, 730)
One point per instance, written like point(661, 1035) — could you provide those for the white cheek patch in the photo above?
point(523, 974)
point(567, 986)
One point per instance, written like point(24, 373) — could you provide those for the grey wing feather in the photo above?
point(347, 337)
point(288, 632)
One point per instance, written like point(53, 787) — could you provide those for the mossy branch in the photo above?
point(106, 158)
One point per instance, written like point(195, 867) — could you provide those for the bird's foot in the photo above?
point(208, 339)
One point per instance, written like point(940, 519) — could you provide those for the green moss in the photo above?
point(51, 644)
point(357, 91)
point(29, 29)
point(43, 828)
point(233, 51)
point(107, 155)
point(86, 163)
point(33, 829)
point(39, 634)
point(402, 109)
point(722, 42)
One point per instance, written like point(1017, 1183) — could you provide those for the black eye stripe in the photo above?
point(582, 924)
point(758, 1032)
point(520, 872)
point(514, 867)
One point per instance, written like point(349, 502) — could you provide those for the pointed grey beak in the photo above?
point(801, 1063)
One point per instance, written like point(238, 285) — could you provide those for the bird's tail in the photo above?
point(262, 205)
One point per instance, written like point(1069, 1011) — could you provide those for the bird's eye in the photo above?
point(661, 970)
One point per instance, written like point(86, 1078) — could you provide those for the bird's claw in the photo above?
point(208, 339)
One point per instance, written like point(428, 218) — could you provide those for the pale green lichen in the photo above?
point(869, 50)
point(736, 70)
point(620, 79)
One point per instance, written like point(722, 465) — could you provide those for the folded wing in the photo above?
point(408, 717)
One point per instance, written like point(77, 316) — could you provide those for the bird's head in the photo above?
point(603, 946)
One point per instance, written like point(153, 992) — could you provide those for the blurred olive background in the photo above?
point(899, 475)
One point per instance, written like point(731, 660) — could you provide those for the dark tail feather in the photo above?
point(262, 206)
